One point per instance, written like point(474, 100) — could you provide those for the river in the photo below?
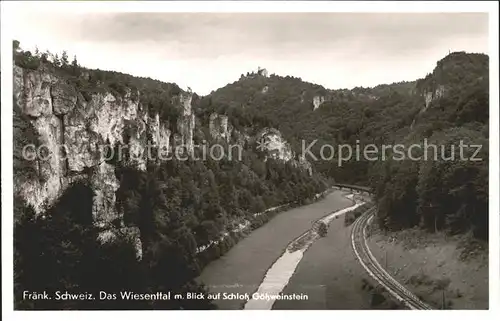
point(243, 269)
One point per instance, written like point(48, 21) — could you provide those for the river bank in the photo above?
point(279, 274)
point(243, 227)
point(330, 274)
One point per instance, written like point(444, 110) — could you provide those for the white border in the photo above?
point(8, 7)
point(494, 173)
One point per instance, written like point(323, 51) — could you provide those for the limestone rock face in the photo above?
point(82, 148)
point(63, 98)
point(429, 96)
point(186, 122)
point(160, 134)
point(35, 97)
point(186, 103)
point(432, 95)
point(32, 93)
point(74, 134)
point(271, 140)
point(317, 101)
point(219, 127)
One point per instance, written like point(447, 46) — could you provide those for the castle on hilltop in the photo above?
point(262, 72)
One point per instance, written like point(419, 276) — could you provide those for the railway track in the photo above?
point(375, 270)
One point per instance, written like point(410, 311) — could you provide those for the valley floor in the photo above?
point(428, 263)
point(242, 269)
point(330, 274)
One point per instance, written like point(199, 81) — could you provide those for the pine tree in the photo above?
point(44, 57)
point(57, 62)
point(75, 67)
point(16, 46)
point(64, 58)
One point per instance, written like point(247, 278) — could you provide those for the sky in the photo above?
point(206, 51)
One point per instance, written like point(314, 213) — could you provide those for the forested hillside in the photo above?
point(447, 106)
point(446, 193)
point(187, 212)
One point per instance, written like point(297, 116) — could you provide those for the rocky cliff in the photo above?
point(79, 133)
point(317, 101)
point(76, 133)
point(450, 73)
point(219, 127)
point(272, 141)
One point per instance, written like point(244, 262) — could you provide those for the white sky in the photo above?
point(208, 50)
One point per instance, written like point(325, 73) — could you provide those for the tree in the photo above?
point(74, 63)
point(64, 58)
point(322, 229)
point(44, 57)
point(16, 46)
point(258, 205)
point(56, 61)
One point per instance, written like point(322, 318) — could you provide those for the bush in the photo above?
point(322, 229)
point(351, 216)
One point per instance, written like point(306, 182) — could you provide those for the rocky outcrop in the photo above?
point(431, 95)
point(271, 141)
point(268, 140)
point(75, 134)
point(64, 98)
point(317, 101)
point(219, 127)
point(160, 133)
point(186, 122)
